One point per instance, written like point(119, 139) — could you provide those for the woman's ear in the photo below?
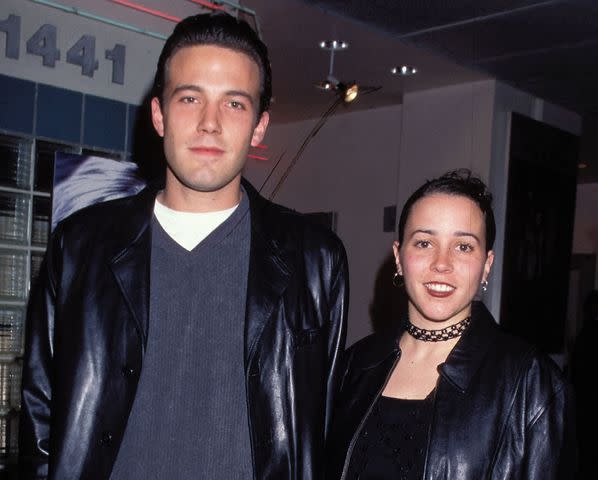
point(395, 251)
point(488, 265)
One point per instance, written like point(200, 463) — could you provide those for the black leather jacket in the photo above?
point(501, 409)
point(87, 331)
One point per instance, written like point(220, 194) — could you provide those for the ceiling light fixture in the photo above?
point(333, 45)
point(325, 85)
point(404, 70)
point(348, 91)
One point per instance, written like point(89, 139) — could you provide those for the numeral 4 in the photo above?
point(83, 53)
point(43, 43)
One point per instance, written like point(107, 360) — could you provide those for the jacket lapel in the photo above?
point(270, 269)
point(131, 263)
point(467, 355)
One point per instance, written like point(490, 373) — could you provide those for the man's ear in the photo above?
point(260, 129)
point(157, 116)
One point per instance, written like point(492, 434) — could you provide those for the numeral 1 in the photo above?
point(12, 27)
point(43, 43)
point(83, 53)
point(117, 57)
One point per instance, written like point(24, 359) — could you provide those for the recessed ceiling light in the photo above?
point(404, 70)
point(582, 165)
point(334, 45)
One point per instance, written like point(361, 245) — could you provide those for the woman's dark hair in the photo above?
point(221, 30)
point(461, 183)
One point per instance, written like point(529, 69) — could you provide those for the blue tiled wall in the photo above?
point(105, 123)
point(17, 99)
point(64, 115)
point(59, 113)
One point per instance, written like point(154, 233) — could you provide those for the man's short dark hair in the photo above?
point(461, 183)
point(222, 30)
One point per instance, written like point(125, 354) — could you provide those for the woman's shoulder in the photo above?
point(516, 358)
point(371, 350)
point(487, 351)
point(491, 336)
point(514, 349)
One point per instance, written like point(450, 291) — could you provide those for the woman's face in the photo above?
point(443, 258)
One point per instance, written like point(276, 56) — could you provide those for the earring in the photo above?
point(397, 281)
point(484, 285)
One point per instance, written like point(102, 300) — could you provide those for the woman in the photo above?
point(445, 394)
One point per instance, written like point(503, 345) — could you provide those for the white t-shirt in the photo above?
point(189, 228)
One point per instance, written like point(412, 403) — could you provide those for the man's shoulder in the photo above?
point(104, 218)
point(290, 226)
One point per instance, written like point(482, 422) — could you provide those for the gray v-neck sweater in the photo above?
point(189, 417)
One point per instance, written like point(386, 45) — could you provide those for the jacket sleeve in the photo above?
point(339, 302)
point(34, 427)
point(550, 446)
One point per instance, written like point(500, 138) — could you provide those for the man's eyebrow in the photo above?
point(240, 93)
point(190, 86)
point(198, 89)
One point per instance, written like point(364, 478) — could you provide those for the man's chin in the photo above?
point(209, 185)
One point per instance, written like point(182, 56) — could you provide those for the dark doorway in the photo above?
point(539, 232)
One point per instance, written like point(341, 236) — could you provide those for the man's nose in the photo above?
point(209, 120)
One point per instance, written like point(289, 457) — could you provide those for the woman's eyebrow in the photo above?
point(466, 234)
point(423, 230)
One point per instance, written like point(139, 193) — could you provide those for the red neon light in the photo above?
point(206, 4)
point(264, 147)
point(151, 11)
point(257, 157)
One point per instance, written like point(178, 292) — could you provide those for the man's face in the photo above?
point(208, 120)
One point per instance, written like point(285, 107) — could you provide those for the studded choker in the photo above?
point(447, 333)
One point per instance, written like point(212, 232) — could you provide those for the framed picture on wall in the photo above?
point(83, 180)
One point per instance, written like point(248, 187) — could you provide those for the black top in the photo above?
point(501, 409)
point(392, 443)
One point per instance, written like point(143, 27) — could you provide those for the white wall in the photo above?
point(444, 129)
point(350, 167)
point(585, 233)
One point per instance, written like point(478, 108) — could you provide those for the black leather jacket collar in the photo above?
point(270, 263)
point(466, 358)
point(501, 409)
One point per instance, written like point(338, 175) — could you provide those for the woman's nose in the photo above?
point(442, 262)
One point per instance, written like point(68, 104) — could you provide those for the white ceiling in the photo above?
point(292, 30)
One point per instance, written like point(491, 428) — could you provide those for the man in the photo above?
point(192, 332)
